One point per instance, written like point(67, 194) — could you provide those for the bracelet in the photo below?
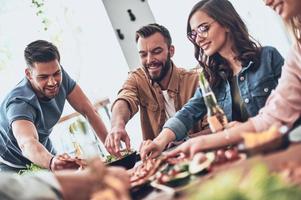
point(50, 162)
point(227, 136)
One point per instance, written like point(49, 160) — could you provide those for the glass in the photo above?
point(202, 31)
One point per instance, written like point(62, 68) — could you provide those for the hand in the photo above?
point(121, 174)
point(150, 149)
point(113, 182)
point(64, 161)
point(232, 124)
point(188, 148)
point(112, 142)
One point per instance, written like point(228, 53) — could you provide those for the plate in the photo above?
point(128, 161)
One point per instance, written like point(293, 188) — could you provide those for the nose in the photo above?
point(51, 81)
point(149, 58)
point(199, 39)
point(268, 2)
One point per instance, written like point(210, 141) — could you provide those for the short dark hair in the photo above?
point(40, 51)
point(151, 29)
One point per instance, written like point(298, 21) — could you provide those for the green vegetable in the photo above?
point(111, 158)
point(30, 169)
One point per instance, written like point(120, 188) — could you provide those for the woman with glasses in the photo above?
point(283, 107)
point(240, 71)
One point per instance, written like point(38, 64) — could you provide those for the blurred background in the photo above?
point(92, 51)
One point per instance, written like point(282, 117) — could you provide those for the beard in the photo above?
point(45, 95)
point(164, 69)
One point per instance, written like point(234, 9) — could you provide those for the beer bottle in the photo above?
point(215, 115)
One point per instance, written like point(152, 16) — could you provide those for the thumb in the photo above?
point(174, 152)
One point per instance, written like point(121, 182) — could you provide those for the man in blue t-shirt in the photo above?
point(30, 111)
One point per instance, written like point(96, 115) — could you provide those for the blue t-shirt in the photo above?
point(23, 104)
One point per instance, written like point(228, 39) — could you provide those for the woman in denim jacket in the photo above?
point(240, 72)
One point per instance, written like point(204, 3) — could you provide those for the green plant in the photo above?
point(40, 12)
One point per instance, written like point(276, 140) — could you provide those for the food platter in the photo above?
point(127, 160)
point(178, 173)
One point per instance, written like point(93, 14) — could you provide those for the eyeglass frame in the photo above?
point(199, 32)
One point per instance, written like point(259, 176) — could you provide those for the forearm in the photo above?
point(166, 136)
point(97, 124)
point(121, 114)
point(34, 151)
point(226, 137)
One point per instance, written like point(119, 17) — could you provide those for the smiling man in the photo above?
point(30, 111)
point(158, 87)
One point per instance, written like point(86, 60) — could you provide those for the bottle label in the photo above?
point(214, 124)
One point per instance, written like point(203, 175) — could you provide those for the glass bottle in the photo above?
point(215, 115)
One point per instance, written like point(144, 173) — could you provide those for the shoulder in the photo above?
point(186, 73)
point(269, 51)
point(22, 91)
point(293, 58)
point(137, 75)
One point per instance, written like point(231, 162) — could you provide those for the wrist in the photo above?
point(50, 163)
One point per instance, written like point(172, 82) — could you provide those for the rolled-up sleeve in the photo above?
point(194, 110)
point(177, 127)
point(129, 93)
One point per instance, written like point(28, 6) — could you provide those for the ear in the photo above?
point(171, 50)
point(28, 73)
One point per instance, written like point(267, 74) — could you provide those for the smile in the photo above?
point(205, 46)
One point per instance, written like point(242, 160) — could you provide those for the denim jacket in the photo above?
point(255, 85)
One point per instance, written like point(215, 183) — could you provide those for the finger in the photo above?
point(116, 142)
point(112, 146)
point(127, 143)
point(174, 152)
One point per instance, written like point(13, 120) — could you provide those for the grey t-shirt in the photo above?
point(23, 104)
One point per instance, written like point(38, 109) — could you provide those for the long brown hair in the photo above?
point(216, 67)
point(294, 24)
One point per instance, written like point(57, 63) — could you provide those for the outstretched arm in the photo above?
point(120, 116)
point(79, 101)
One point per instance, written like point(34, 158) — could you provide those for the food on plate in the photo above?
point(127, 159)
point(173, 173)
point(226, 155)
point(141, 173)
point(201, 162)
point(254, 139)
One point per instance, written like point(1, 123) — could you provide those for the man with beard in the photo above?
point(159, 88)
point(29, 112)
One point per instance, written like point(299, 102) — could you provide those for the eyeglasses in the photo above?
point(202, 31)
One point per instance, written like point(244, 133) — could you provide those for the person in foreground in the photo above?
point(159, 88)
point(283, 106)
point(241, 73)
point(95, 182)
point(30, 111)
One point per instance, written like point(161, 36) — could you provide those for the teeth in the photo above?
point(278, 8)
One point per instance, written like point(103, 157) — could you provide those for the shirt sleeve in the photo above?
point(129, 93)
point(194, 110)
point(20, 110)
point(283, 105)
point(68, 82)
point(40, 185)
point(277, 62)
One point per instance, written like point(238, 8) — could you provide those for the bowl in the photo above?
point(128, 161)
